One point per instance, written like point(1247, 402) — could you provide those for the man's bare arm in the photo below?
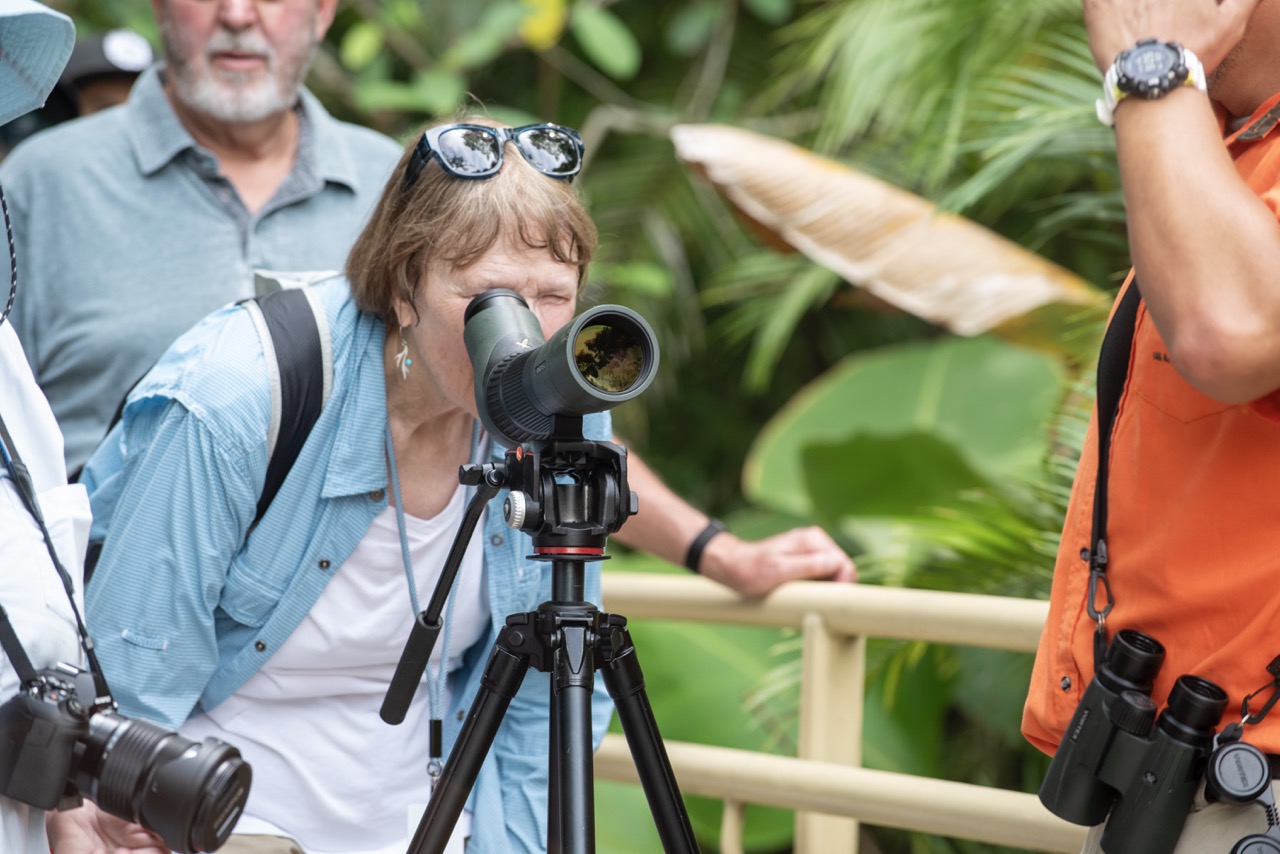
point(1205, 247)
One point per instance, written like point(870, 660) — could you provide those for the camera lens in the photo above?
point(609, 355)
point(191, 793)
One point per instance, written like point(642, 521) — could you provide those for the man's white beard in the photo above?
point(242, 97)
point(230, 100)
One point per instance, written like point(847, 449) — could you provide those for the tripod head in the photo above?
point(569, 495)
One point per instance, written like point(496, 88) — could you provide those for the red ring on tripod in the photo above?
point(567, 550)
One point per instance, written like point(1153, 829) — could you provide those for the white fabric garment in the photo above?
point(327, 771)
point(30, 589)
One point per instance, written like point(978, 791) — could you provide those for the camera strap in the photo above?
point(1274, 686)
point(1113, 368)
point(14, 649)
point(21, 477)
point(13, 260)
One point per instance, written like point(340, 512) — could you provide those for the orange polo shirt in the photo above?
point(1193, 530)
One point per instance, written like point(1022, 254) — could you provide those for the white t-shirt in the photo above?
point(327, 771)
point(30, 589)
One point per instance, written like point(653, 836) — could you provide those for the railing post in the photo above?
point(831, 696)
point(732, 825)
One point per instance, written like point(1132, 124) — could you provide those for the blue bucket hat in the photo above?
point(35, 42)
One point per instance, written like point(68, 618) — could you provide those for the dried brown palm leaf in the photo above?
point(895, 245)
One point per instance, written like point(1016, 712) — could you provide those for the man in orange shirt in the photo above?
point(1192, 519)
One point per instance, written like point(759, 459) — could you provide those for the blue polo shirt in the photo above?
point(127, 234)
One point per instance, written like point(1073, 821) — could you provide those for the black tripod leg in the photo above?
point(625, 682)
point(573, 679)
point(554, 843)
point(498, 686)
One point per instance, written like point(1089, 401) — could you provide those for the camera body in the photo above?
point(59, 744)
point(1119, 758)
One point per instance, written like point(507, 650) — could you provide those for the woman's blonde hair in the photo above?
point(455, 221)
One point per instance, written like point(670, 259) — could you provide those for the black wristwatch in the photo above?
point(1150, 69)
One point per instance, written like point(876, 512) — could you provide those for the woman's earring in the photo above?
point(402, 357)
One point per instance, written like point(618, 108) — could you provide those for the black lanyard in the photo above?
point(1113, 367)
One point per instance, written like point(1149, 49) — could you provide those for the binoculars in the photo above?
point(1121, 763)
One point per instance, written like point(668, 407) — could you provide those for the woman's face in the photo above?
point(439, 354)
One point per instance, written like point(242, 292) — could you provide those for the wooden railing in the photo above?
point(825, 783)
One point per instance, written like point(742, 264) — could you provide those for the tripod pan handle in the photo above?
point(413, 663)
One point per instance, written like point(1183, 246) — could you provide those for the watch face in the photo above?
point(1150, 69)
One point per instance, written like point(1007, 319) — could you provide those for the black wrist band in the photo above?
point(694, 555)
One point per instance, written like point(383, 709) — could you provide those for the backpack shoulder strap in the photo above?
point(297, 345)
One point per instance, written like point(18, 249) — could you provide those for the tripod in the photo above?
point(569, 494)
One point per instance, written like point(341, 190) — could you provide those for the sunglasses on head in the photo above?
point(475, 151)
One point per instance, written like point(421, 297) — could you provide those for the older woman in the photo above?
point(281, 637)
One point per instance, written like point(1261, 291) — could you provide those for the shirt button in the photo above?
point(461, 715)
point(260, 646)
point(324, 563)
point(497, 539)
point(377, 494)
point(1066, 683)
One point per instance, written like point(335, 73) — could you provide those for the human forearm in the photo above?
point(666, 523)
point(164, 568)
point(666, 526)
point(1203, 244)
point(1205, 247)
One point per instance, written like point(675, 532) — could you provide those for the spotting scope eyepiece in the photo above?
point(605, 356)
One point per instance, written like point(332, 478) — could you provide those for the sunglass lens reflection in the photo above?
point(468, 151)
point(551, 152)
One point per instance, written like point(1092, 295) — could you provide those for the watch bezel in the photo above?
point(1148, 86)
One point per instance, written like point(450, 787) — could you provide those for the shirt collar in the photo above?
point(158, 136)
point(354, 466)
point(1261, 123)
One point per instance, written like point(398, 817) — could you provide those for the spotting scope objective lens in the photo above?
point(605, 356)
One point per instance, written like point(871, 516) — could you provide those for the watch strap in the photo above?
point(1112, 94)
point(693, 556)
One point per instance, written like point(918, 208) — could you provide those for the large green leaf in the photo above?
point(434, 91)
point(773, 11)
point(989, 399)
point(606, 40)
point(906, 709)
point(361, 45)
point(865, 475)
point(482, 44)
point(691, 26)
point(624, 824)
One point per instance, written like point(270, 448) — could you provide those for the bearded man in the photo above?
point(134, 223)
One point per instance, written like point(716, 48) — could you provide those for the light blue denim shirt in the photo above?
point(183, 610)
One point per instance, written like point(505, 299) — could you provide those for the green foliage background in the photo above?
point(784, 396)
